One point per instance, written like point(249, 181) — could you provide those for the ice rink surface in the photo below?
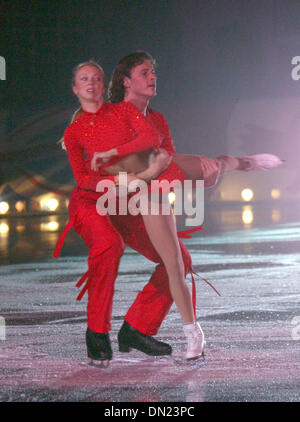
point(252, 330)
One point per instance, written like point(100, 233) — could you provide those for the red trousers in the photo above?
point(106, 237)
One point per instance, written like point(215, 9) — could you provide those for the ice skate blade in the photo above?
point(196, 358)
point(191, 363)
point(201, 355)
point(99, 363)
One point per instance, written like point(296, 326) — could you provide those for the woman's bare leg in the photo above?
point(161, 230)
point(197, 167)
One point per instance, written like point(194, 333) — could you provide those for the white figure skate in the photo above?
point(260, 162)
point(195, 340)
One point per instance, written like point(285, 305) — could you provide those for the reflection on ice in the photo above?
point(251, 349)
point(24, 239)
point(20, 228)
point(51, 226)
point(276, 215)
point(281, 232)
point(247, 215)
point(4, 228)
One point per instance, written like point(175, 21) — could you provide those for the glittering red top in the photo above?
point(120, 126)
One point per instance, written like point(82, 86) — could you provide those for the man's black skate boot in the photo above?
point(98, 345)
point(130, 338)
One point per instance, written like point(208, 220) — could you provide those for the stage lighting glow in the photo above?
point(247, 194)
point(4, 207)
point(275, 193)
point(20, 206)
point(172, 197)
point(49, 204)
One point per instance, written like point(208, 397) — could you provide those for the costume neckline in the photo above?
point(147, 109)
point(89, 113)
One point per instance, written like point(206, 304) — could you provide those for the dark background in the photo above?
point(212, 55)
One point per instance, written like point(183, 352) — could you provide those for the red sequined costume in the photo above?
point(124, 127)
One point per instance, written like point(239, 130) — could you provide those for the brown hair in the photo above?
point(79, 111)
point(116, 89)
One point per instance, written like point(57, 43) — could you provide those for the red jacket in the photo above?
point(120, 126)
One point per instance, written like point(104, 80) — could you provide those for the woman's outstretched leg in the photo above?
point(198, 167)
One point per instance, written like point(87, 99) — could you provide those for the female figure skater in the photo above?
point(104, 125)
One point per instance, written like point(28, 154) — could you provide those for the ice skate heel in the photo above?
point(130, 338)
point(124, 348)
point(199, 356)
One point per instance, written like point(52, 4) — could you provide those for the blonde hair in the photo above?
point(88, 63)
point(79, 111)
